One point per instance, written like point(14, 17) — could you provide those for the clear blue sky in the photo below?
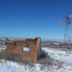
point(31, 18)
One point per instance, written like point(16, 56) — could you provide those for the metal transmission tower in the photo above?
point(67, 21)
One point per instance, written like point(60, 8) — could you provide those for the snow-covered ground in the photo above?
point(63, 64)
point(64, 56)
point(7, 66)
point(2, 48)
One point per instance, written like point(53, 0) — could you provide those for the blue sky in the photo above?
point(31, 18)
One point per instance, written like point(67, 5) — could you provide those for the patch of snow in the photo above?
point(2, 48)
point(56, 43)
point(26, 49)
point(58, 54)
